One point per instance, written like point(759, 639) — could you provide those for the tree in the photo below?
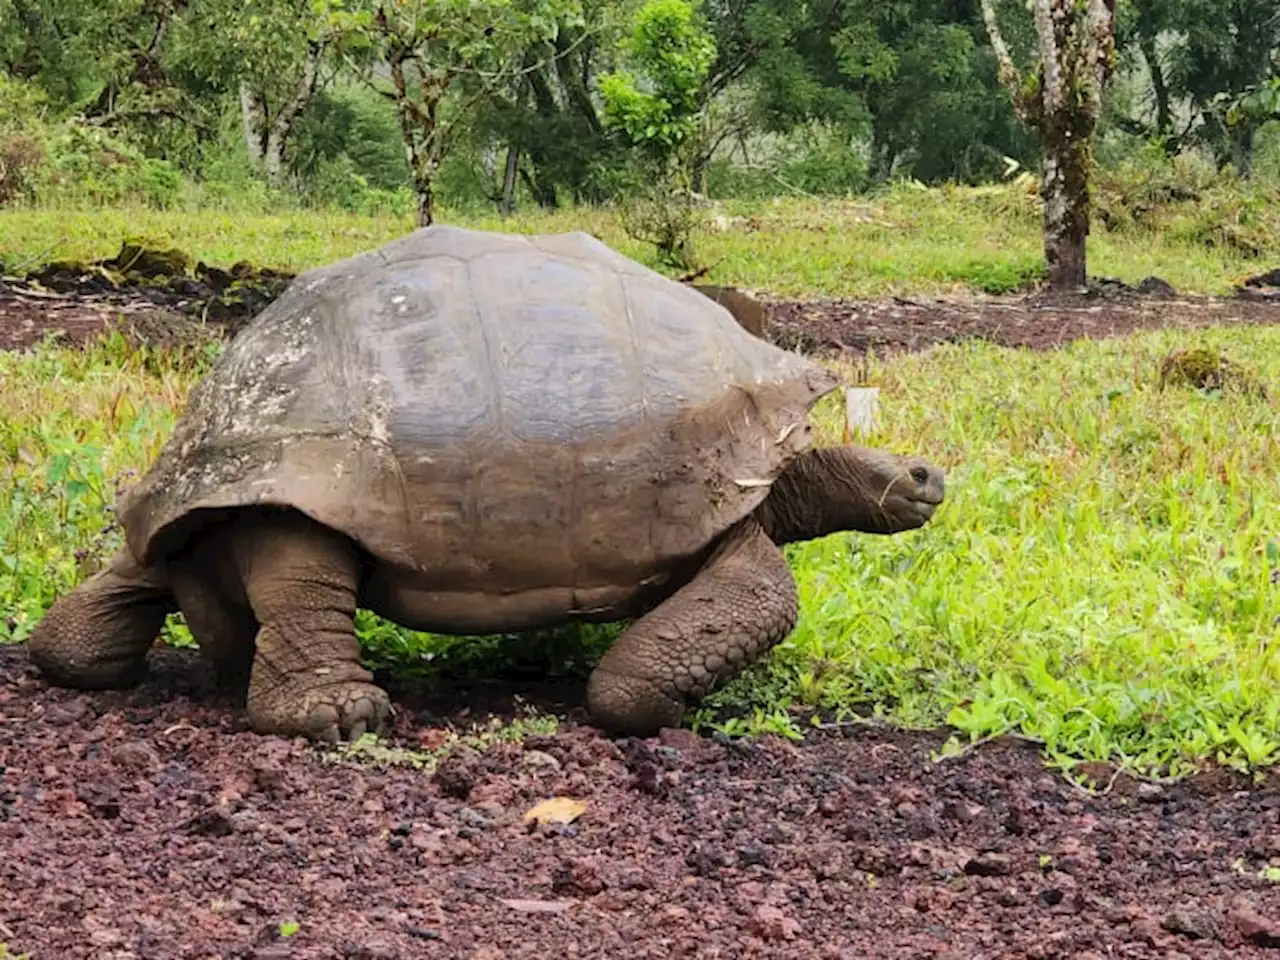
point(655, 100)
point(437, 60)
point(655, 105)
point(87, 56)
point(1144, 27)
point(1211, 65)
point(547, 121)
point(1062, 100)
point(915, 77)
point(281, 47)
point(1226, 65)
point(268, 55)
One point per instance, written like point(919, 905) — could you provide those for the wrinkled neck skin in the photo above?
point(826, 491)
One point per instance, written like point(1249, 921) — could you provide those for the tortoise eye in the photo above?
point(920, 475)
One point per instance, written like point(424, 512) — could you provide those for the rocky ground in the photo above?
point(151, 824)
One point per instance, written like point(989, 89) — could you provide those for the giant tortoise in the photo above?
point(471, 432)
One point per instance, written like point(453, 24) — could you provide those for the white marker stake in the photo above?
point(861, 407)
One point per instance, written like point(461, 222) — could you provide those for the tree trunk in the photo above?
point(543, 191)
point(574, 88)
point(508, 203)
point(426, 203)
point(273, 157)
point(265, 135)
point(1164, 115)
point(253, 117)
point(883, 156)
point(1242, 144)
point(1075, 42)
point(1065, 192)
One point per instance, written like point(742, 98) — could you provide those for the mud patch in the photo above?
point(155, 296)
point(77, 303)
point(1037, 322)
point(150, 824)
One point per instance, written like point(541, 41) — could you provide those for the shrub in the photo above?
point(21, 139)
point(1187, 198)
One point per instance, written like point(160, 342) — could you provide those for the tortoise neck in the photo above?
point(822, 492)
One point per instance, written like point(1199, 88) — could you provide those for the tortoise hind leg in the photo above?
point(301, 581)
point(739, 605)
point(97, 636)
point(213, 602)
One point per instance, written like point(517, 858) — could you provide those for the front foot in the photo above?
point(97, 636)
point(625, 706)
point(345, 710)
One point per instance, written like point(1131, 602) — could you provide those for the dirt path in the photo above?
point(150, 825)
point(80, 309)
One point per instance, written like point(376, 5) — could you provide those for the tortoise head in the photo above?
point(850, 487)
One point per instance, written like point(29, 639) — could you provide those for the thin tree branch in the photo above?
point(1009, 75)
point(1053, 96)
point(303, 92)
point(1099, 46)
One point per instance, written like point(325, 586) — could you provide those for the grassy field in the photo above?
point(1103, 576)
point(907, 240)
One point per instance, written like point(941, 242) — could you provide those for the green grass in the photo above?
point(909, 240)
point(1103, 576)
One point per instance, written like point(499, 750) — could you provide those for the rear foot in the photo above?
point(344, 710)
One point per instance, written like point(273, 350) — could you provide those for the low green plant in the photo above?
point(370, 751)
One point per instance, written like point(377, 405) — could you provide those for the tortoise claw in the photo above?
point(332, 713)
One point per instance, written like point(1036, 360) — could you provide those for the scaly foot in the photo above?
point(344, 710)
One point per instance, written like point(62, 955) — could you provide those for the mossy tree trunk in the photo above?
point(1061, 99)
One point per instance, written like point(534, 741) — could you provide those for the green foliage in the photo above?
point(1188, 200)
point(814, 160)
point(348, 153)
point(89, 165)
point(435, 49)
point(913, 74)
point(1216, 62)
point(22, 139)
point(907, 238)
point(355, 123)
point(655, 101)
point(45, 160)
point(843, 93)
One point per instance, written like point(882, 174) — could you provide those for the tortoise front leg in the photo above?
point(97, 636)
point(739, 605)
point(301, 580)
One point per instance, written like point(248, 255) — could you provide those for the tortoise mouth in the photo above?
point(923, 508)
point(931, 497)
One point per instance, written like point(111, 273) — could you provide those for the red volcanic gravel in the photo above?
point(151, 824)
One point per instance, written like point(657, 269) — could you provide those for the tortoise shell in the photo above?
point(498, 412)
